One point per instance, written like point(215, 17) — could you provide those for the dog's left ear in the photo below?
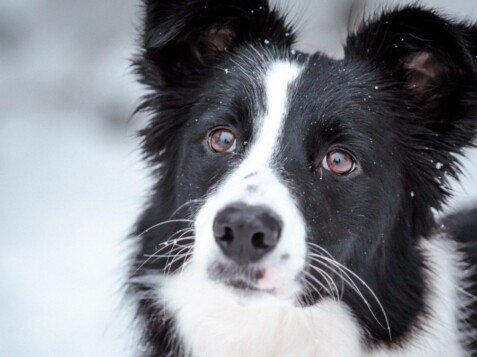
point(433, 61)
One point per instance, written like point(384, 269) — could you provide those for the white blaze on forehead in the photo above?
point(268, 129)
point(255, 182)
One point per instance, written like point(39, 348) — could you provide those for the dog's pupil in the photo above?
point(225, 139)
point(340, 162)
point(222, 140)
point(337, 159)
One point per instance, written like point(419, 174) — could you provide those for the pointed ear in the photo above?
point(183, 37)
point(432, 60)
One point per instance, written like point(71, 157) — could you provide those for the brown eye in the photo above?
point(222, 141)
point(339, 162)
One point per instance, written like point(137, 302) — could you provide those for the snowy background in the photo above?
point(71, 179)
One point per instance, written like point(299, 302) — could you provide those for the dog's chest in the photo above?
point(210, 324)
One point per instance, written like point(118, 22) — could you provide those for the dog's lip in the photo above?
point(241, 284)
point(241, 279)
point(245, 285)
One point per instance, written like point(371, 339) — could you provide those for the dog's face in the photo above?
point(280, 172)
point(290, 153)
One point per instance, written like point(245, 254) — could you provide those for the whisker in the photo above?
point(310, 288)
point(347, 272)
point(163, 246)
point(346, 279)
point(163, 223)
point(308, 274)
point(180, 255)
point(188, 229)
point(174, 249)
point(185, 205)
point(170, 253)
point(170, 244)
point(329, 280)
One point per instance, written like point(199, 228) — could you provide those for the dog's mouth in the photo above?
point(236, 277)
point(244, 280)
point(241, 284)
point(245, 286)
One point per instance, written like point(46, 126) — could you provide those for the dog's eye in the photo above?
point(339, 162)
point(222, 141)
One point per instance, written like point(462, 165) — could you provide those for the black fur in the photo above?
point(404, 100)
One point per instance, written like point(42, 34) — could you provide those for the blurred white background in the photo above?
point(71, 179)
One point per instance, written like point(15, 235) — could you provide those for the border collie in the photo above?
point(294, 208)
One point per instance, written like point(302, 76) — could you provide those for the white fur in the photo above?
point(212, 322)
point(256, 171)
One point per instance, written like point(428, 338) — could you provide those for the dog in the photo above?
point(294, 212)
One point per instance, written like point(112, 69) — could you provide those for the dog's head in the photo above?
point(286, 174)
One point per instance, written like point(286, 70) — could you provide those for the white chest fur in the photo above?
point(212, 323)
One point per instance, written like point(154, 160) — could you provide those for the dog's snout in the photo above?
point(246, 233)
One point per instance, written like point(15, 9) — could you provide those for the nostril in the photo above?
point(258, 240)
point(228, 235)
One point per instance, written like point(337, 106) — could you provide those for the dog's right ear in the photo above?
point(183, 37)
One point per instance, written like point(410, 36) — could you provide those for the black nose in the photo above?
point(246, 233)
